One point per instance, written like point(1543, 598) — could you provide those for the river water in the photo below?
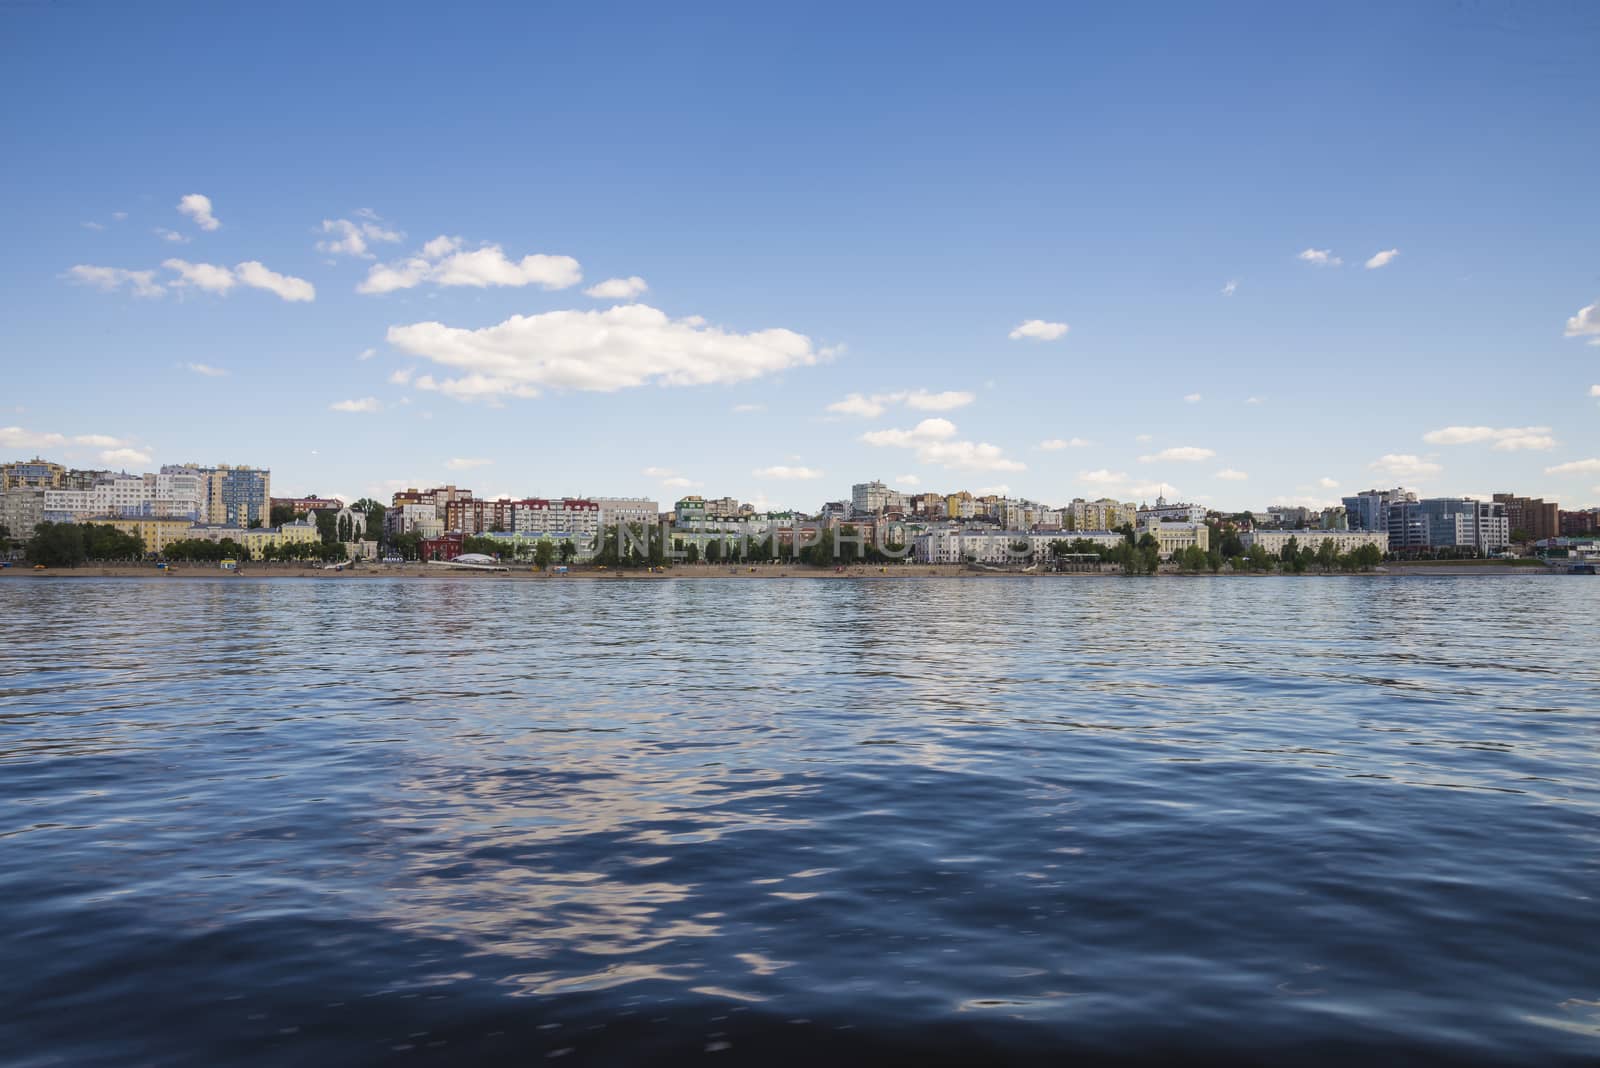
point(783, 821)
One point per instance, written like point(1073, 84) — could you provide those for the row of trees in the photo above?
point(70, 544)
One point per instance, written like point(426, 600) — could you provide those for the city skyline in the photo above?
point(592, 284)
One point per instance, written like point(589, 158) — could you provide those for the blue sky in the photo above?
point(822, 202)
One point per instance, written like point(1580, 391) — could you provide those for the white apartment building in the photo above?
point(420, 519)
point(179, 495)
point(631, 511)
point(1171, 513)
point(1273, 541)
point(949, 545)
point(537, 517)
point(1103, 514)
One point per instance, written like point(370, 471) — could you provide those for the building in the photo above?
point(31, 474)
point(1345, 541)
point(570, 516)
point(157, 533)
point(1170, 513)
point(437, 498)
point(1538, 518)
point(313, 503)
point(1448, 523)
point(21, 510)
point(870, 498)
point(1289, 515)
point(1103, 514)
point(1576, 523)
point(475, 515)
point(1173, 538)
point(1369, 509)
point(257, 541)
point(421, 519)
point(230, 495)
point(627, 511)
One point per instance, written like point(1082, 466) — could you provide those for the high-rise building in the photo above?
point(1578, 523)
point(627, 511)
point(1446, 523)
point(1539, 518)
point(869, 498)
point(1369, 509)
point(31, 474)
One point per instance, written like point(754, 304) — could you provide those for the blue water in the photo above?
point(475, 821)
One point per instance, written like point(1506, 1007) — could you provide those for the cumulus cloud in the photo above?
point(1327, 483)
point(920, 399)
point(908, 480)
point(215, 278)
point(1586, 323)
point(679, 482)
point(252, 273)
point(1230, 288)
point(1575, 467)
point(1404, 465)
point(602, 351)
point(444, 262)
point(1057, 444)
point(1038, 330)
point(206, 369)
point(618, 288)
point(1594, 391)
point(354, 237)
point(466, 463)
point(111, 279)
point(1382, 259)
point(16, 437)
point(364, 404)
point(1103, 477)
point(782, 471)
point(933, 440)
point(1320, 256)
point(1187, 454)
point(125, 457)
point(1192, 398)
point(198, 207)
point(1230, 475)
point(746, 409)
point(1254, 400)
point(366, 354)
point(1506, 439)
point(171, 235)
point(401, 376)
point(658, 472)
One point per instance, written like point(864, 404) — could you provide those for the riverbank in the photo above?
point(704, 571)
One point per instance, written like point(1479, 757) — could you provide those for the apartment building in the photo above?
point(1448, 523)
point(1345, 541)
point(1167, 512)
point(1541, 519)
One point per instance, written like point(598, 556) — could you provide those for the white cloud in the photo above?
point(679, 482)
point(125, 457)
point(1255, 400)
point(618, 288)
point(1321, 257)
point(1594, 391)
point(1404, 465)
point(931, 439)
point(443, 262)
point(93, 226)
point(782, 471)
point(206, 276)
point(1038, 330)
point(1575, 467)
point(1230, 288)
point(746, 409)
point(15, 437)
point(98, 441)
point(1056, 444)
point(1586, 323)
point(401, 376)
point(1180, 453)
point(908, 480)
point(348, 237)
point(1144, 490)
point(658, 472)
point(366, 354)
point(110, 279)
point(1192, 398)
point(1505, 439)
point(252, 273)
point(620, 347)
point(119, 215)
point(1327, 483)
point(214, 278)
point(171, 235)
point(1143, 438)
point(875, 405)
point(1382, 259)
point(1230, 475)
point(198, 207)
point(1001, 490)
point(364, 404)
point(857, 404)
point(206, 369)
point(1103, 477)
point(950, 399)
point(463, 463)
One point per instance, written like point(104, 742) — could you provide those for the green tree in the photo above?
point(328, 527)
point(281, 514)
point(567, 550)
point(543, 553)
point(692, 553)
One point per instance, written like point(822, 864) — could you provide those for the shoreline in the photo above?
point(695, 572)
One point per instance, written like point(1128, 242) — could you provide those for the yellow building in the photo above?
point(1172, 538)
point(157, 533)
point(258, 541)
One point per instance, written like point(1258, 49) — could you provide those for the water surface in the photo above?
point(287, 821)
